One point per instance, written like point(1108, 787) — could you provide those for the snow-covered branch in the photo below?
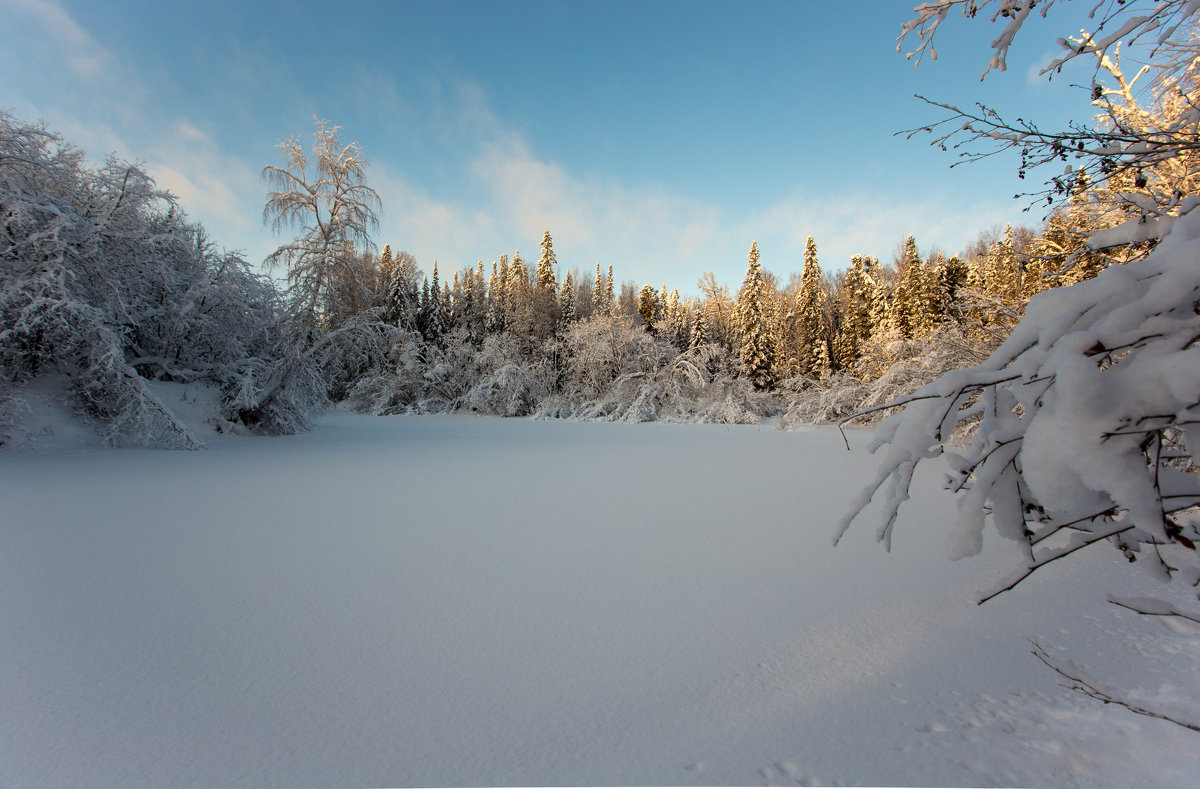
point(1087, 420)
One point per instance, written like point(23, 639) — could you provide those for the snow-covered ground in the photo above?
point(476, 601)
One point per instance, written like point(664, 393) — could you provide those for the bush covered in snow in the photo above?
point(105, 282)
point(913, 364)
point(1088, 413)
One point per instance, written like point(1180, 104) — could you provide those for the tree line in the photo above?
point(107, 283)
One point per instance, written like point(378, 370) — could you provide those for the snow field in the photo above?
point(473, 601)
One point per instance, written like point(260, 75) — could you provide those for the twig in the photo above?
point(1081, 682)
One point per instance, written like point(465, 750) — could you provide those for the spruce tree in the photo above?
point(386, 273)
point(906, 297)
point(1002, 272)
point(677, 318)
point(425, 310)
point(952, 278)
point(858, 298)
point(751, 324)
point(610, 301)
point(648, 306)
point(566, 302)
point(519, 305)
point(598, 293)
point(813, 354)
point(435, 312)
point(545, 313)
point(449, 309)
point(699, 326)
point(403, 306)
point(546, 265)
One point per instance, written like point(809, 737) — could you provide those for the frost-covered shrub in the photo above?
point(662, 385)
point(451, 371)
point(914, 363)
point(691, 392)
point(278, 394)
point(358, 348)
point(105, 282)
point(399, 387)
point(603, 349)
point(511, 390)
point(424, 378)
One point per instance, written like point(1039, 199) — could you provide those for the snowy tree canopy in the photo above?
point(105, 282)
point(1086, 418)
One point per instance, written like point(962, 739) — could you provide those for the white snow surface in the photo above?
point(455, 600)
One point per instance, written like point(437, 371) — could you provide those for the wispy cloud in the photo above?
point(650, 233)
point(495, 192)
point(85, 57)
point(104, 107)
point(874, 223)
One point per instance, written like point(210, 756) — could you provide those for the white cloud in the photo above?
point(96, 101)
point(649, 233)
point(501, 193)
point(870, 224)
point(75, 46)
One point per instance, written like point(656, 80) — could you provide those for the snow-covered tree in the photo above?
point(813, 354)
point(719, 313)
point(609, 299)
point(403, 306)
point(566, 304)
point(434, 309)
point(546, 265)
point(1139, 158)
point(599, 302)
point(856, 297)
point(328, 199)
point(756, 353)
point(1088, 412)
point(649, 306)
point(699, 326)
point(104, 282)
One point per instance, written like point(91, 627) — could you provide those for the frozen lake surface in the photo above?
point(472, 601)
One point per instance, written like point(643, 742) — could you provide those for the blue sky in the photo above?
point(659, 137)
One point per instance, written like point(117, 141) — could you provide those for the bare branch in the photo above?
point(1079, 681)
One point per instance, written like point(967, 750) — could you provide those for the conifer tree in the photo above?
point(425, 310)
point(775, 313)
point(472, 310)
point(500, 291)
point(610, 301)
point(906, 297)
point(598, 293)
point(1002, 272)
point(566, 303)
point(403, 307)
point(546, 265)
point(813, 354)
point(435, 312)
point(544, 308)
point(857, 297)
point(751, 325)
point(519, 298)
point(952, 278)
point(452, 302)
point(448, 308)
point(924, 287)
point(648, 306)
point(386, 272)
point(677, 318)
point(699, 326)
